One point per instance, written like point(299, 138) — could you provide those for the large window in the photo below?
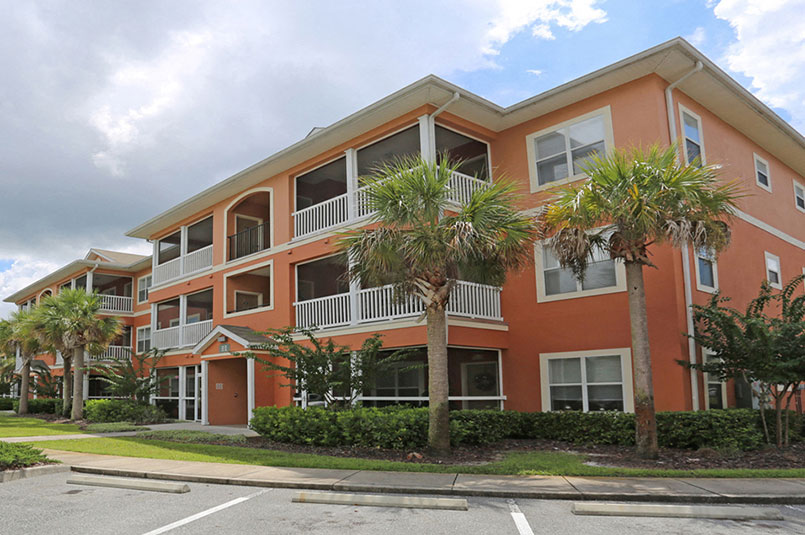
point(562, 152)
point(773, 271)
point(706, 271)
point(587, 381)
point(693, 138)
point(603, 275)
point(143, 285)
point(799, 196)
point(762, 176)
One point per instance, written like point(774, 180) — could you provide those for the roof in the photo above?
point(245, 336)
point(712, 88)
point(114, 260)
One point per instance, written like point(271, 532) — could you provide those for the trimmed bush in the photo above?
point(407, 428)
point(41, 406)
point(123, 410)
point(15, 455)
point(6, 404)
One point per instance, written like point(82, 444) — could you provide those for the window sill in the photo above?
point(764, 188)
point(706, 289)
point(536, 188)
point(542, 298)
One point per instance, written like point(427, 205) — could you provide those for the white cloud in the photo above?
point(22, 272)
point(698, 37)
point(535, 72)
point(770, 49)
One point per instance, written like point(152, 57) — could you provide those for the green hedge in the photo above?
point(41, 406)
point(14, 455)
point(123, 410)
point(6, 404)
point(407, 428)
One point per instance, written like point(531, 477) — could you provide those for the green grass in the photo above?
point(114, 427)
point(12, 426)
point(530, 463)
point(13, 456)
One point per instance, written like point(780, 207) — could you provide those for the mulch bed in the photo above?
point(617, 456)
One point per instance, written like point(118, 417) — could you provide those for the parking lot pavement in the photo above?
point(47, 505)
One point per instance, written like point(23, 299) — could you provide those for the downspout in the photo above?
point(694, 378)
point(432, 125)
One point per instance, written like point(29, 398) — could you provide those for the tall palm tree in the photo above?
point(632, 200)
point(71, 322)
point(17, 332)
point(423, 241)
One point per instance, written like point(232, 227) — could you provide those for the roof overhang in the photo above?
point(713, 88)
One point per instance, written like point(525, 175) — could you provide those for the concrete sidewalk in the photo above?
point(697, 490)
point(178, 426)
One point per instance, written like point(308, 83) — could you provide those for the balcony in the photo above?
point(182, 321)
point(114, 353)
point(369, 305)
point(181, 335)
point(184, 265)
point(116, 304)
point(249, 241)
point(186, 251)
point(347, 208)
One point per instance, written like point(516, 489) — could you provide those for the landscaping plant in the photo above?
point(632, 200)
point(132, 378)
point(17, 333)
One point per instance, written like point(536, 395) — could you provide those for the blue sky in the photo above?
point(112, 112)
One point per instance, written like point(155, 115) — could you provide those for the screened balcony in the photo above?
point(186, 251)
point(182, 321)
point(114, 291)
point(329, 196)
point(119, 349)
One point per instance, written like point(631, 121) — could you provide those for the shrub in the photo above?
point(193, 437)
point(123, 410)
point(41, 406)
point(114, 427)
point(6, 404)
point(731, 429)
point(15, 455)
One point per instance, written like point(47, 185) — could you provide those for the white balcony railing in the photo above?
point(184, 265)
point(181, 335)
point(115, 353)
point(467, 299)
point(116, 304)
point(336, 211)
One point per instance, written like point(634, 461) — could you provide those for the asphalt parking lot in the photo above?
point(48, 505)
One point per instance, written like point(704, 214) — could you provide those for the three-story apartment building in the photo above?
point(256, 251)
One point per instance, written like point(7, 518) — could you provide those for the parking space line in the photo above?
point(519, 518)
point(184, 521)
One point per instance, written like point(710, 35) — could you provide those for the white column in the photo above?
point(89, 282)
point(204, 389)
point(250, 387)
point(86, 378)
point(154, 257)
point(182, 318)
point(426, 144)
point(182, 391)
point(182, 247)
point(352, 183)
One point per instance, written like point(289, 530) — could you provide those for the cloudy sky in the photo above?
point(113, 111)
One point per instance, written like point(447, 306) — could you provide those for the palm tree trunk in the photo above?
point(78, 384)
point(439, 422)
point(646, 424)
point(25, 381)
point(67, 385)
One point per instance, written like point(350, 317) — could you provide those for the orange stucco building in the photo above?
point(255, 251)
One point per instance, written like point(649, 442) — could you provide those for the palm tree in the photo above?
point(71, 322)
point(632, 200)
point(422, 243)
point(17, 332)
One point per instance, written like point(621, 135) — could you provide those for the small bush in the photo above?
point(15, 455)
point(6, 404)
point(41, 406)
point(123, 410)
point(723, 430)
point(114, 427)
point(193, 437)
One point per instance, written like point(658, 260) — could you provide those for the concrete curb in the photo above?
point(497, 493)
point(374, 500)
point(34, 471)
point(131, 484)
point(677, 511)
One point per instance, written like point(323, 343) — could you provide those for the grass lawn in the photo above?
point(531, 463)
point(12, 426)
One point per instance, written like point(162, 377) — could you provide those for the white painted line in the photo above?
point(379, 500)
point(193, 518)
point(716, 512)
point(519, 518)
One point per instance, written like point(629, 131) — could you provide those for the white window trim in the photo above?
point(705, 354)
point(138, 338)
point(625, 354)
point(699, 286)
point(140, 286)
point(609, 144)
point(261, 308)
point(756, 159)
point(542, 297)
point(766, 257)
point(682, 111)
point(801, 186)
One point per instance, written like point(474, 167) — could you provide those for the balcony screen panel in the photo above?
point(169, 248)
point(405, 143)
point(168, 314)
point(199, 306)
point(199, 235)
point(470, 152)
point(321, 278)
point(322, 184)
point(81, 283)
point(112, 284)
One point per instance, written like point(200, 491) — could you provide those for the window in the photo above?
point(603, 275)
point(143, 284)
point(692, 131)
point(799, 196)
point(773, 274)
point(587, 381)
point(716, 389)
point(560, 153)
point(143, 339)
point(762, 177)
point(706, 271)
